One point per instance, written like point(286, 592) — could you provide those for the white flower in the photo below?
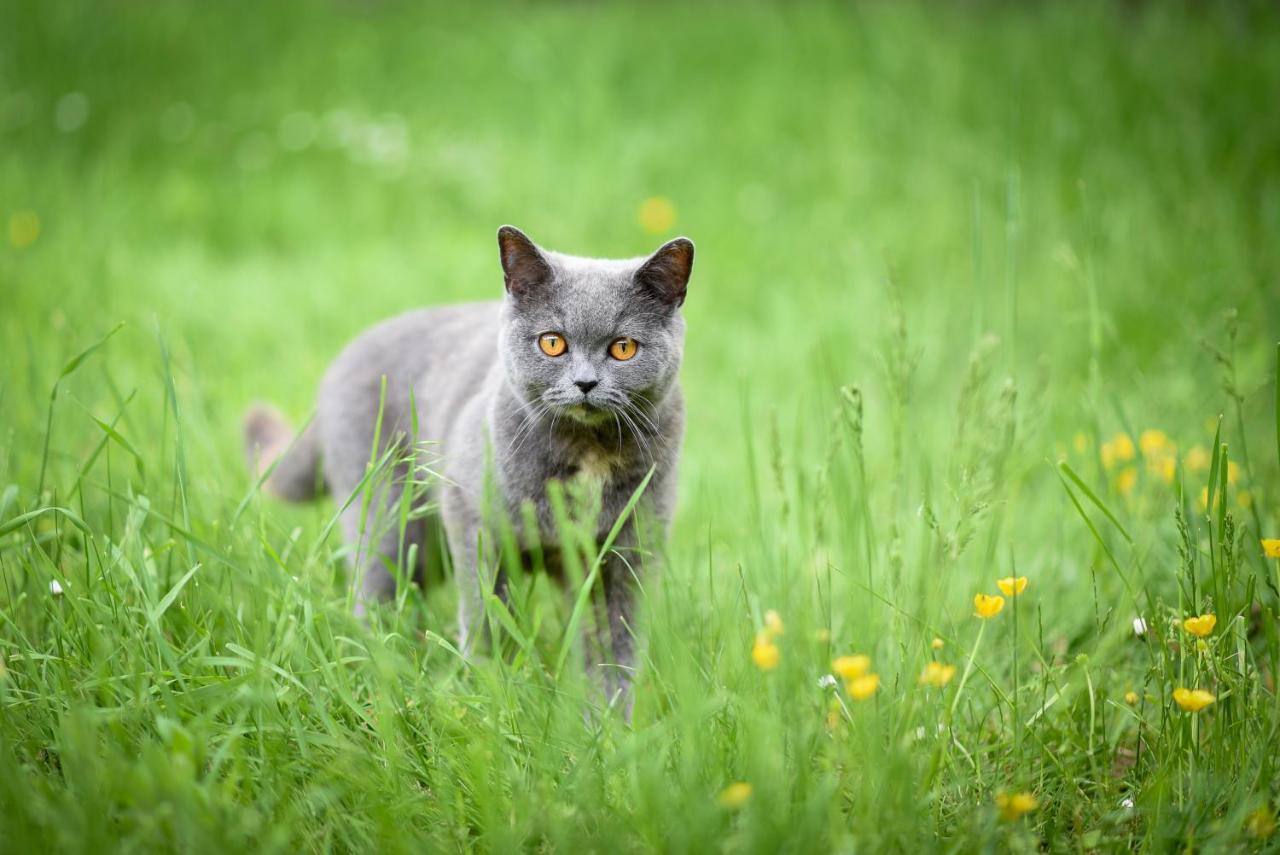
point(826, 681)
point(55, 588)
point(1139, 627)
point(1127, 804)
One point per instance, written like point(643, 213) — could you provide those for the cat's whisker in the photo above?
point(630, 401)
point(654, 434)
point(639, 435)
point(626, 405)
point(547, 407)
point(529, 415)
point(618, 423)
point(643, 397)
point(635, 410)
point(551, 429)
point(531, 419)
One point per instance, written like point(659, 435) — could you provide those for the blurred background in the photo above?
point(1018, 233)
point(1096, 186)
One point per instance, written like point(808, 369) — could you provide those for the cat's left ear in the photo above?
point(665, 274)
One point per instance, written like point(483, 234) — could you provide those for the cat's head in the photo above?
point(590, 338)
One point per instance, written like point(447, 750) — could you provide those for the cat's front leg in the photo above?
point(466, 573)
point(378, 546)
point(478, 575)
point(611, 649)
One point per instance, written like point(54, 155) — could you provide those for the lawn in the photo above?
point(982, 291)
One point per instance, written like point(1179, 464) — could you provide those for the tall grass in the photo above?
point(954, 274)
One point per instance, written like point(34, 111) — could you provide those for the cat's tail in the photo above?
point(291, 463)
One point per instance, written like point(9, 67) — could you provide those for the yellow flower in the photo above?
point(1015, 805)
point(1080, 443)
point(765, 653)
point(937, 644)
point(735, 795)
point(1200, 626)
point(1244, 499)
point(1261, 823)
point(1153, 442)
point(1011, 587)
point(24, 228)
point(1204, 498)
point(861, 688)
point(773, 624)
point(657, 214)
point(936, 674)
point(851, 667)
point(1271, 547)
point(1165, 467)
point(1131, 698)
point(1127, 480)
point(1233, 472)
point(1197, 459)
point(986, 606)
point(1118, 449)
point(1193, 700)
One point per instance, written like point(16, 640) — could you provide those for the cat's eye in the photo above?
point(623, 349)
point(552, 344)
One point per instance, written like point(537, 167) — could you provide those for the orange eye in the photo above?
point(552, 344)
point(623, 349)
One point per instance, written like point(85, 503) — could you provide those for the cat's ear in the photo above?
point(523, 265)
point(665, 274)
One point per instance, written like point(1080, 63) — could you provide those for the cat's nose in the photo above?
point(586, 385)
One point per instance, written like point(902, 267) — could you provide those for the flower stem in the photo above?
point(1017, 721)
point(968, 668)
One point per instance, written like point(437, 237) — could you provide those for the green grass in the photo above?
point(941, 250)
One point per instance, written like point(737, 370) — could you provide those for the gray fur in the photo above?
point(495, 406)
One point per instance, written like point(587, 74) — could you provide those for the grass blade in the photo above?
point(1098, 503)
point(67, 370)
point(167, 599)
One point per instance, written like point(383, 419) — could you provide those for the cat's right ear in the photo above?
point(666, 272)
point(523, 265)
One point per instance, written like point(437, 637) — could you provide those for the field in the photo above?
point(982, 291)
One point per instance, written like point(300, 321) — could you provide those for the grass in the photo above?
point(946, 256)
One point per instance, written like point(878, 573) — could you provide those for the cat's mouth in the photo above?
point(587, 413)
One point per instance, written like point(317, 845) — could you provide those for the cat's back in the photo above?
point(459, 350)
point(405, 346)
point(430, 359)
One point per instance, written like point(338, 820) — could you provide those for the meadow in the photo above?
point(983, 292)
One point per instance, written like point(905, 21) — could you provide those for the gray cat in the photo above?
point(571, 376)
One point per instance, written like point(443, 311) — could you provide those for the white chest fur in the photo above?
point(597, 465)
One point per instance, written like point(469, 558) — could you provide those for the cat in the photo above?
point(571, 375)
